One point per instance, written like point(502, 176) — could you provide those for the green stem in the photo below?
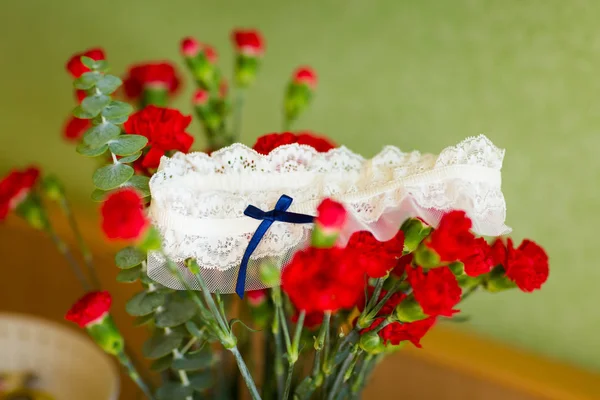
point(245, 373)
point(66, 252)
point(293, 352)
point(134, 375)
point(237, 115)
point(375, 298)
point(340, 376)
point(276, 330)
point(85, 251)
point(208, 297)
point(360, 377)
point(468, 293)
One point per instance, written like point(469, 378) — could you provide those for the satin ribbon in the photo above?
point(279, 213)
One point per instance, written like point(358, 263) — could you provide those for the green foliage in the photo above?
point(117, 109)
point(112, 176)
point(143, 320)
point(87, 81)
point(144, 303)
point(94, 104)
point(98, 195)
point(129, 275)
point(108, 84)
point(174, 391)
point(126, 145)
point(88, 151)
point(131, 158)
point(178, 310)
point(129, 257)
point(140, 183)
point(80, 113)
point(101, 134)
point(161, 344)
point(200, 382)
point(100, 65)
point(194, 362)
point(162, 364)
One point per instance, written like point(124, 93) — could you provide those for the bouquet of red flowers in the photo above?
point(339, 260)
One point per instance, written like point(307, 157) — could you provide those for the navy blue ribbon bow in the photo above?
point(279, 213)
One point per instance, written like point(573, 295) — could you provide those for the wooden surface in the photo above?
point(452, 365)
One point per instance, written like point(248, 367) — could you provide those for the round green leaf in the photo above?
point(117, 109)
point(194, 362)
point(126, 145)
point(108, 84)
point(140, 183)
point(80, 113)
point(87, 81)
point(94, 104)
point(88, 62)
point(89, 151)
point(162, 364)
point(101, 134)
point(129, 257)
point(131, 158)
point(99, 195)
point(202, 381)
point(144, 303)
point(143, 320)
point(117, 120)
point(112, 176)
point(129, 275)
point(176, 312)
point(174, 391)
point(161, 344)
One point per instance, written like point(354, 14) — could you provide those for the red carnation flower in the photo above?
point(75, 128)
point(256, 297)
point(305, 76)
point(331, 215)
point(403, 263)
point(376, 258)
point(452, 240)
point(498, 252)
point(200, 97)
point(319, 280)
point(165, 130)
point(267, 143)
point(15, 187)
point(190, 48)
point(76, 68)
point(90, 309)
point(480, 261)
point(397, 332)
point(527, 265)
point(436, 290)
point(248, 42)
point(123, 216)
point(151, 75)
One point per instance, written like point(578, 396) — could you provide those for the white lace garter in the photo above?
point(198, 201)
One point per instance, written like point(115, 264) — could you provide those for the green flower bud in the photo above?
point(415, 231)
point(497, 281)
point(106, 335)
point(269, 274)
point(157, 95)
point(409, 310)
point(426, 258)
point(297, 98)
point(457, 268)
point(53, 188)
point(246, 68)
point(151, 240)
point(32, 211)
point(371, 343)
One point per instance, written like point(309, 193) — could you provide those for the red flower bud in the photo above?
point(15, 187)
point(190, 47)
point(200, 97)
point(76, 68)
point(90, 309)
point(75, 128)
point(331, 216)
point(305, 76)
point(150, 75)
point(123, 216)
point(223, 88)
point(248, 42)
point(256, 297)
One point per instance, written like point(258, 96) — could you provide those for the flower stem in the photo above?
point(182, 374)
point(85, 251)
point(245, 373)
point(133, 374)
point(66, 252)
point(292, 351)
point(340, 376)
point(237, 115)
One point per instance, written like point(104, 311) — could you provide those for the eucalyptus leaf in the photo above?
point(131, 158)
point(144, 303)
point(162, 364)
point(141, 183)
point(89, 151)
point(201, 382)
point(118, 120)
point(101, 134)
point(99, 195)
point(94, 104)
point(108, 84)
point(129, 257)
point(116, 109)
point(126, 145)
point(87, 80)
point(174, 391)
point(88, 62)
point(129, 275)
point(80, 113)
point(161, 344)
point(143, 320)
point(176, 312)
point(194, 362)
point(146, 280)
point(112, 176)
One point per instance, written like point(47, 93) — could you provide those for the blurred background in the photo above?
point(415, 74)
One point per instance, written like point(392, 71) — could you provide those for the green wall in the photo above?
point(417, 74)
